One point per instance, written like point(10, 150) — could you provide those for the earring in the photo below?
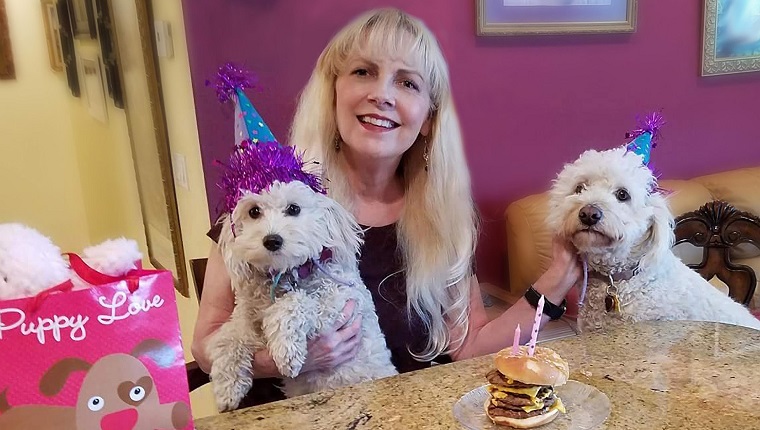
point(425, 154)
point(337, 142)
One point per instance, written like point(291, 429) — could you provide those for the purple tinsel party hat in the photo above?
point(258, 160)
point(645, 137)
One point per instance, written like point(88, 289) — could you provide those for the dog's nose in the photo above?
point(273, 242)
point(590, 215)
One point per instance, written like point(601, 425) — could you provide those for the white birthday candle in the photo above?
point(536, 325)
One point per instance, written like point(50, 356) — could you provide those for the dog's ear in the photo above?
point(226, 241)
point(162, 354)
point(55, 378)
point(660, 237)
point(345, 235)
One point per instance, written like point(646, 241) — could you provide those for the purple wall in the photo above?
point(527, 104)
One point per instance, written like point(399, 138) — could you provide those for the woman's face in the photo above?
point(381, 106)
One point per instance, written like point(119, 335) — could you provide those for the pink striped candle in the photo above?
point(516, 341)
point(536, 325)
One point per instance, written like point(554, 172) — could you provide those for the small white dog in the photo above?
point(291, 254)
point(608, 204)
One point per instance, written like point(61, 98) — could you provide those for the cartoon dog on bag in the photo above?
point(118, 392)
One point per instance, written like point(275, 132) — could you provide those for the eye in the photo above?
point(360, 72)
point(293, 210)
point(579, 189)
point(96, 403)
point(254, 212)
point(408, 83)
point(622, 195)
point(137, 393)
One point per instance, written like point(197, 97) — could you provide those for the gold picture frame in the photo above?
point(52, 35)
point(724, 49)
point(146, 121)
point(7, 69)
point(541, 17)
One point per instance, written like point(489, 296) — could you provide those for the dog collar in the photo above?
point(301, 272)
point(306, 269)
point(611, 299)
point(623, 275)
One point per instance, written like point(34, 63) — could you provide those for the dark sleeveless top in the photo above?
point(380, 266)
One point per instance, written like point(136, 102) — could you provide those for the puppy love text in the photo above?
point(116, 308)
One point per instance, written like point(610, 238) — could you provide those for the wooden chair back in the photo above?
point(718, 227)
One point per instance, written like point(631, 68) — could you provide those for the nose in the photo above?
point(273, 242)
point(382, 94)
point(590, 215)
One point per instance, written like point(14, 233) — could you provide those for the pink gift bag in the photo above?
point(107, 357)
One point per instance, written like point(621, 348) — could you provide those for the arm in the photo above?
point(484, 337)
point(326, 350)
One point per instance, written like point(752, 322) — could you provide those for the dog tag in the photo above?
point(612, 303)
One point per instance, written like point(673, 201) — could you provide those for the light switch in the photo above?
point(179, 167)
point(164, 46)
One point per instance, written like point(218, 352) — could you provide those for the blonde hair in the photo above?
point(438, 226)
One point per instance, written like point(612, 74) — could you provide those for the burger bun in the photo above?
point(545, 367)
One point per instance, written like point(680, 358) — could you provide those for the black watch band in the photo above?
point(551, 310)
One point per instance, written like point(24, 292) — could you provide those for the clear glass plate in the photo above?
point(586, 407)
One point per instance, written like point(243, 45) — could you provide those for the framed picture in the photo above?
point(7, 69)
point(520, 17)
point(50, 18)
point(108, 50)
point(731, 37)
point(82, 19)
point(67, 45)
point(92, 81)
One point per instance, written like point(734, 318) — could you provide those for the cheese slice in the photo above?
point(559, 406)
point(534, 407)
point(531, 391)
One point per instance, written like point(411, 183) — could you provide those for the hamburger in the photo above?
point(521, 388)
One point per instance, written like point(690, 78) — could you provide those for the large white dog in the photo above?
point(608, 204)
point(291, 254)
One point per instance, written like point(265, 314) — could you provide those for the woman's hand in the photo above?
point(563, 273)
point(336, 345)
point(331, 348)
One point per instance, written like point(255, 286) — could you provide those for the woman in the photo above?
point(378, 113)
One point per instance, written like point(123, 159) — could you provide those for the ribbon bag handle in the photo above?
point(36, 301)
point(93, 277)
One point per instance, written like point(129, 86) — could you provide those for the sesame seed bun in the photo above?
point(546, 367)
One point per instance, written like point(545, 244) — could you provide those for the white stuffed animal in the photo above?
point(30, 262)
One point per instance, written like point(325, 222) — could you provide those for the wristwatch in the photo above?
point(551, 310)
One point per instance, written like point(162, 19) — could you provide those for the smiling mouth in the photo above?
point(378, 122)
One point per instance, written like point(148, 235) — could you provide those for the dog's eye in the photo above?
point(293, 210)
point(96, 403)
point(579, 189)
point(622, 195)
point(137, 393)
point(254, 212)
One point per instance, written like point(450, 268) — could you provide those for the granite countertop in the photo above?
point(657, 375)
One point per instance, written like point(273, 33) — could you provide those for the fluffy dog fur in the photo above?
point(635, 233)
point(308, 306)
